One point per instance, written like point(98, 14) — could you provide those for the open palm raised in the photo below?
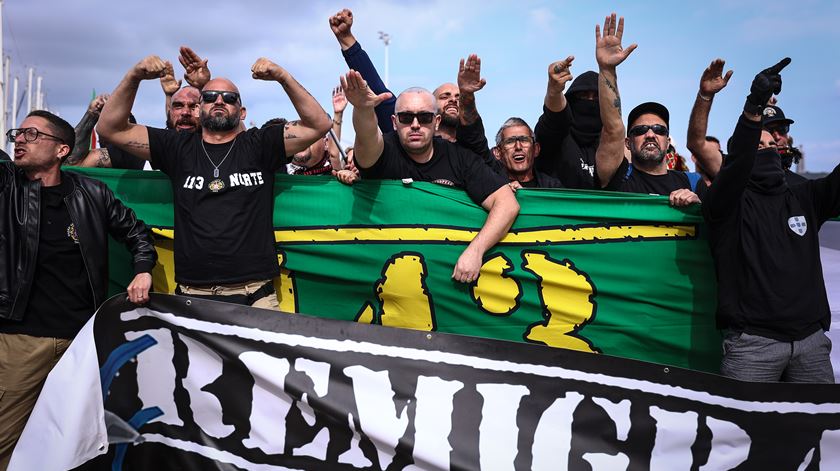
point(608, 49)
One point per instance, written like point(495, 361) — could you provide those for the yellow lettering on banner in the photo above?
point(406, 301)
point(365, 315)
point(495, 292)
point(284, 285)
point(566, 295)
point(403, 294)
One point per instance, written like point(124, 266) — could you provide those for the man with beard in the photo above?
point(54, 230)
point(222, 180)
point(181, 115)
point(647, 133)
point(448, 96)
point(764, 236)
point(413, 152)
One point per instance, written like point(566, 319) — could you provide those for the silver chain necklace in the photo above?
point(216, 167)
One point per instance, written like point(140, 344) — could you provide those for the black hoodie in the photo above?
point(569, 138)
point(764, 236)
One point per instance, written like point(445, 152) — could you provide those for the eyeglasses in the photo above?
point(423, 117)
point(210, 96)
point(524, 141)
point(642, 129)
point(30, 135)
point(781, 128)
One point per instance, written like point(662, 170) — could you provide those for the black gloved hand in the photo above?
point(766, 83)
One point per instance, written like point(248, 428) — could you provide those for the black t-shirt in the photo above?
point(61, 300)
point(450, 165)
point(628, 178)
point(223, 225)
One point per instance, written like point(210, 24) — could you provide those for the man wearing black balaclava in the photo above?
point(764, 236)
point(569, 127)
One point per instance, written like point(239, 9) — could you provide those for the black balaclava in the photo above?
point(767, 175)
point(586, 115)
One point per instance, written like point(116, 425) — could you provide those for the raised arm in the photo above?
point(314, 121)
point(113, 123)
point(170, 86)
point(357, 59)
point(555, 122)
point(339, 102)
point(712, 81)
point(470, 134)
point(469, 82)
point(84, 130)
point(609, 54)
point(196, 72)
point(502, 210)
point(559, 74)
point(369, 144)
point(733, 177)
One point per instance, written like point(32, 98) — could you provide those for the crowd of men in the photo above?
point(763, 219)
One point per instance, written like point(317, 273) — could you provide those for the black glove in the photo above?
point(766, 83)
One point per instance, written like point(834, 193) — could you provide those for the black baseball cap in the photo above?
point(774, 114)
point(649, 107)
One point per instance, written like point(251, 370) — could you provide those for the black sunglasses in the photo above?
point(29, 135)
point(210, 96)
point(642, 129)
point(423, 117)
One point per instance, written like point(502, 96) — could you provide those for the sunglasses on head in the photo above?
point(642, 129)
point(423, 117)
point(209, 96)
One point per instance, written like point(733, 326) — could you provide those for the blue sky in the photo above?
point(83, 45)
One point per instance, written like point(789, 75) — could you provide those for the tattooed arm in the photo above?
point(609, 54)
point(708, 155)
point(113, 123)
point(84, 129)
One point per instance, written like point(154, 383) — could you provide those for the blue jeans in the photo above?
point(754, 358)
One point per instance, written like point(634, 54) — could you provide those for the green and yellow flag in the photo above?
point(616, 274)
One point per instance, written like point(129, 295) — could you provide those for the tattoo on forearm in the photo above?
point(617, 101)
point(289, 135)
point(104, 160)
point(469, 113)
point(137, 144)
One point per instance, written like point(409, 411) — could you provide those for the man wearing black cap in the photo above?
point(778, 125)
point(764, 237)
point(647, 134)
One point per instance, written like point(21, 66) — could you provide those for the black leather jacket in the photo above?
point(96, 213)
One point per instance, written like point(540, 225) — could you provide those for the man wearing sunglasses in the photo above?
point(53, 261)
point(222, 180)
point(413, 152)
point(647, 131)
point(778, 125)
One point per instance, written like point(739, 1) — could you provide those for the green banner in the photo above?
point(618, 274)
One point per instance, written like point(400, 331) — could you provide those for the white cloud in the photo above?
point(543, 19)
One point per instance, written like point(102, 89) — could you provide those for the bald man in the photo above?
point(222, 180)
point(413, 151)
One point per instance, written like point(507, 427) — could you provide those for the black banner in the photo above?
point(209, 385)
